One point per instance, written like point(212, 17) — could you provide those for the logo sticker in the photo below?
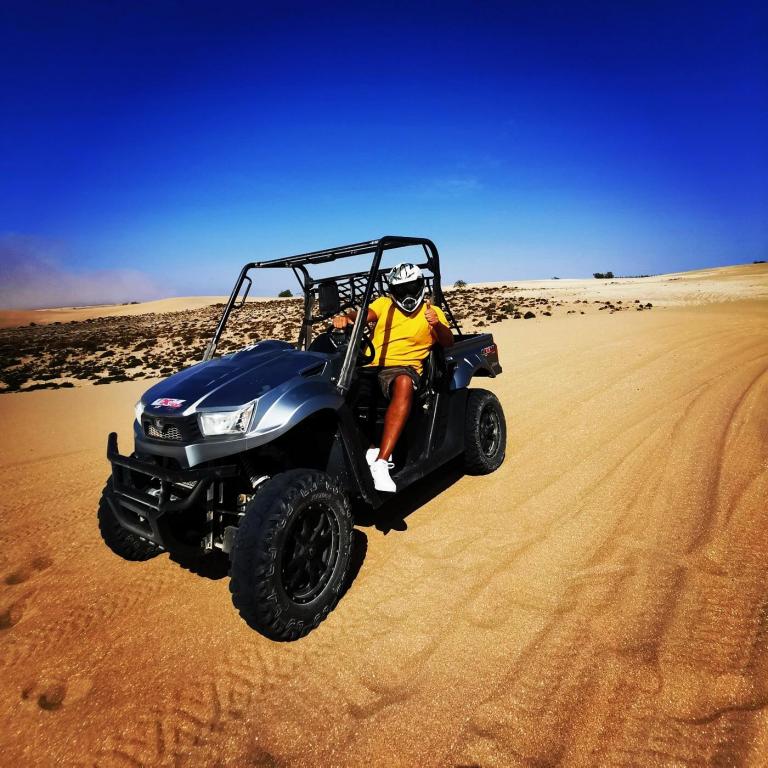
point(168, 402)
point(489, 350)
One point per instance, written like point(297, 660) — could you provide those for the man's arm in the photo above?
point(347, 318)
point(441, 332)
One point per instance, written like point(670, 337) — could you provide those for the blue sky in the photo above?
point(149, 149)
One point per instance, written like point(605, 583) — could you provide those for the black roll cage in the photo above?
point(355, 288)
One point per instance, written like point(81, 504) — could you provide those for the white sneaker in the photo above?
point(373, 453)
point(381, 479)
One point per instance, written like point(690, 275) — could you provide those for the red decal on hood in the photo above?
point(168, 402)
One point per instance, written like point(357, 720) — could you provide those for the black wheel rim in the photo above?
point(310, 552)
point(490, 431)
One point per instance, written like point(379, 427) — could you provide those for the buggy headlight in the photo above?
point(138, 409)
point(226, 422)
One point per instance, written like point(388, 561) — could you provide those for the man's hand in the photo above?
point(441, 333)
point(430, 314)
point(341, 321)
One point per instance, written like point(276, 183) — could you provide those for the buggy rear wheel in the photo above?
point(485, 433)
point(291, 554)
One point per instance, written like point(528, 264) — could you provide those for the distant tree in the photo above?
point(286, 294)
point(460, 284)
point(603, 275)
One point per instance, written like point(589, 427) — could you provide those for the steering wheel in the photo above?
point(367, 351)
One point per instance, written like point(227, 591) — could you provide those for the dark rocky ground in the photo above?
point(103, 350)
point(123, 348)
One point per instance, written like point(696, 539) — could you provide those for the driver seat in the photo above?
point(369, 405)
point(432, 376)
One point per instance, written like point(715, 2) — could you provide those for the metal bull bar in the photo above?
point(147, 508)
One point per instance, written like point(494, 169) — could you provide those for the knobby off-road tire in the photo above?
point(122, 542)
point(485, 433)
point(291, 554)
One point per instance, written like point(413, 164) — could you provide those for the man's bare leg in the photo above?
point(401, 398)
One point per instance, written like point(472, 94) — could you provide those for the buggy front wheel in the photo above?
point(291, 554)
point(120, 540)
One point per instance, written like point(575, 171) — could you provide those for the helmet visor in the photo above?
point(408, 295)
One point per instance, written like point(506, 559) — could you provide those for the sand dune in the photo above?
point(718, 284)
point(701, 286)
point(14, 317)
point(10, 318)
point(600, 600)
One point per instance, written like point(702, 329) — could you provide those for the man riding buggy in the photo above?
point(406, 327)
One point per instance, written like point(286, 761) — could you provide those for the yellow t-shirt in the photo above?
point(401, 339)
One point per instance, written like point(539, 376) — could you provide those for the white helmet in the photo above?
point(406, 286)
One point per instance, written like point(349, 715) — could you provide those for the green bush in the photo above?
point(286, 294)
point(460, 284)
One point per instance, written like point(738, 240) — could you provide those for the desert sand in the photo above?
point(599, 600)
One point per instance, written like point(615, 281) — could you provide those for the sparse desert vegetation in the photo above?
point(128, 347)
point(124, 348)
point(47, 353)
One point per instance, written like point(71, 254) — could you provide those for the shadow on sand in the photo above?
point(391, 516)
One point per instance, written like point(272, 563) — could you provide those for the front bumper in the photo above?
point(142, 493)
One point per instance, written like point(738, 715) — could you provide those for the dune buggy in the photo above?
point(260, 453)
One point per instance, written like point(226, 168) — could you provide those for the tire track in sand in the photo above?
point(637, 695)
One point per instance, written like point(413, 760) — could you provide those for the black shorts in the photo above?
point(388, 373)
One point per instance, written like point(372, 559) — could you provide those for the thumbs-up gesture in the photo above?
point(429, 314)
